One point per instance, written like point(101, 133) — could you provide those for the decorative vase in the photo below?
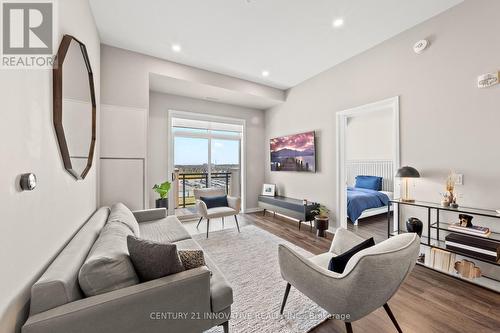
point(445, 203)
point(162, 203)
point(414, 225)
point(321, 225)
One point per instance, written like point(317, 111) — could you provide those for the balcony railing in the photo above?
point(187, 182)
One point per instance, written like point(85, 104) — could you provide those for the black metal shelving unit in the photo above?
point(438, 226)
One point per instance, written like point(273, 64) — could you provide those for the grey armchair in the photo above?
point(370, 279)
point(234, 206)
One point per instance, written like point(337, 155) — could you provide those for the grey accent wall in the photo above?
point(35, 225)
point(446, 121)
point(158, 136)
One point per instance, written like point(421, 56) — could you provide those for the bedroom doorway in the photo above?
point(367, 159)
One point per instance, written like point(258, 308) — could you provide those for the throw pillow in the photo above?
point(369, 182)
point(338, 263)
point(153, 260)
point(192, 258)
point(212, 202)
point(121, 213)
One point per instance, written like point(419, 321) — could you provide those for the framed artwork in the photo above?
point(269, 190)
point(294, 153)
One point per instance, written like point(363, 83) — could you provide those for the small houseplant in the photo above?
point(321, 217)
point(162, 189)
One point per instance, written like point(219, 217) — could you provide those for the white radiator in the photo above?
point(380, 168)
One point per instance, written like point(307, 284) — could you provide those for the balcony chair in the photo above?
point(371, 277)
point(234, 206)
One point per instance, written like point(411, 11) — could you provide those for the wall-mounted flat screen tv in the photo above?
point(294, 153)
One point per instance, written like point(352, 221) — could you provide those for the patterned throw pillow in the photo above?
point(192, 258)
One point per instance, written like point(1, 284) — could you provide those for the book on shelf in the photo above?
point(474, 230)
point(481, 248)
point(442, 260)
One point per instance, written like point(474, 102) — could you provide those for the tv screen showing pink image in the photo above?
point(294, 153)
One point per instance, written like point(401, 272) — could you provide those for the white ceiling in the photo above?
point(292, 39)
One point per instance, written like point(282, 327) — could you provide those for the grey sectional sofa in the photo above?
point(190, 301)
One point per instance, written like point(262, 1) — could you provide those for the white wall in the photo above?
point(370, 137)
point(158, 139)
point(35, 225)
point(123, 156)
point(446, 121)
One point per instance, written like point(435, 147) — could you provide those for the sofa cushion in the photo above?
point(167, 230)
point(153, 260)
point(108, 266)
point(59, 283)
point(221, 293)
point(121, 213)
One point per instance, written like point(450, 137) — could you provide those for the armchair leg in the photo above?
point(348, 327)
point(226, 326)
point(287, 291)
point(237, 225)
point(393, 319)
point(201, 218)
point(223, 222)
point(208, 226)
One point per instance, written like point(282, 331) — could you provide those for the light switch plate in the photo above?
point(459, 179)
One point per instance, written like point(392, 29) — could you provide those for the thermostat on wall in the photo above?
point(487, 80)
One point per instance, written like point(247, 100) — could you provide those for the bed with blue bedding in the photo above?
point(365, 195)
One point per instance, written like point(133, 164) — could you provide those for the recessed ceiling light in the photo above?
point(176, 48)
point(265, 73)
point(337, 23)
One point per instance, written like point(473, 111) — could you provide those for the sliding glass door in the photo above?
point(205, 154)
point(224, 158)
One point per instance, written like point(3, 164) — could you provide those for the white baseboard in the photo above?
point(253, 210)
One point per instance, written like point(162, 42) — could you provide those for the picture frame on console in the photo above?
point(269, 190)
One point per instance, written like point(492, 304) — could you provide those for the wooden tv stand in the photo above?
point(290, 207)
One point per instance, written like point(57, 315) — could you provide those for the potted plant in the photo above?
point(321, 219)
point(162, 189)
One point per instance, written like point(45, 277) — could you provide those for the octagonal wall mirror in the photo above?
point(74, 106)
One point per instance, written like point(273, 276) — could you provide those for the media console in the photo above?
point(290, 207)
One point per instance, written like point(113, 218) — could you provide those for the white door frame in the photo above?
point(207, 117)
point(341, 117)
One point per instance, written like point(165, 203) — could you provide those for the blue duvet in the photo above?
point(360, 199)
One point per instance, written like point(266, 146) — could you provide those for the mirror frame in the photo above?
point(57, 76)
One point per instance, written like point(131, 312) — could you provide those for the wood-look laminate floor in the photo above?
point(428, 301)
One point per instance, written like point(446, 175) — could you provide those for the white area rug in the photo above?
point(249, 260)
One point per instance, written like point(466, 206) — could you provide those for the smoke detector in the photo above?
point(421, 46)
